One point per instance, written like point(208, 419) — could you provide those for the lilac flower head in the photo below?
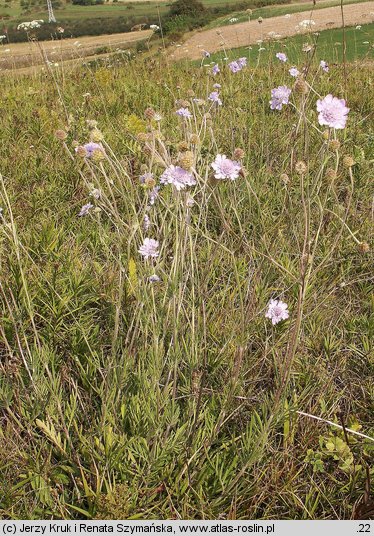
point(279, 97)
point(332, 112)
point(215, 69)
point(85, 209)
point(225, 168)
point(281, 56)
point(206, 54)
point(184, 112)
point(146, 177)
point(234, 67)
point(177, 176)
point(217, 86)
point(214, 97)
point(149, 248)
point(324, 66)
point(153, 278)
point(277, 311)
point(294, 72)
point(242, 62)
point(91, 147)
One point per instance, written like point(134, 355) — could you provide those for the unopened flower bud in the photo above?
point(285, 178)
point(149, 113)
point(334, 145)
point(331, 174)
point(301, 167)
point(363, 247)
point(98, 155)
point(61, 135)
point(238, 154)
point(300, 86)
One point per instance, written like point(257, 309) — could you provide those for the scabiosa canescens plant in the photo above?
point(277, 311)
point(281, 56)
point(178, 177)
point(184, 112)
point(279, 96)
point(225, 168)
point(332, 112)
point(149, 248)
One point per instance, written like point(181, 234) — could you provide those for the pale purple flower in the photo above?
point(149, 248)
point(206, 54)
point(216, 69)
point(277, 311)
point(177, 176)
point(225, 168)
point(91, 147)
point(153, 278)
point(279, 97)
point(85, 209)
point(242, 62)
point(184, 112)
point(294, 72)
point(153, 195)
point(324, 66)
point(214, 97)
point(234, 67)
point(217, 86)
point(332, 112)
point(281, 56)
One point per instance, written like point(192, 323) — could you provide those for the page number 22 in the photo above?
point(364, 527)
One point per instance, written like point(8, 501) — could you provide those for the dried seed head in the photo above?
point(363, 247)
point(61, 135)
point(98, 155)
point(194, 139)
point(300, 86)
point(186, 160)
point(190, 93)
point(143, 137)
point(81, 151)
point(96, 135)
point(149, 113)
point(334, 145)
point(301, 167)
point(285, 178)
point(91, 123)
point(149, 182)
point(331, 174)
point(348, 161)
point(181, 103)
point(182, 146)
point(238, 154)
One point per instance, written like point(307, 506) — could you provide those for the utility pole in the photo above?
point(51, 16)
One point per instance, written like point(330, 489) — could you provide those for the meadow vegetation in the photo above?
point(135, 387)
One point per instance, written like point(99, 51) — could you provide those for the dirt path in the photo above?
point(246, 33)
point(28, 54)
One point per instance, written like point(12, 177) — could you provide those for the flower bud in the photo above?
point(238, 154)
point(301, 167)
point(61, 135)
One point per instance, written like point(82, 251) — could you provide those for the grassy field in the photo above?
point(329, 46)
point(276, 11)
point(176, 397)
